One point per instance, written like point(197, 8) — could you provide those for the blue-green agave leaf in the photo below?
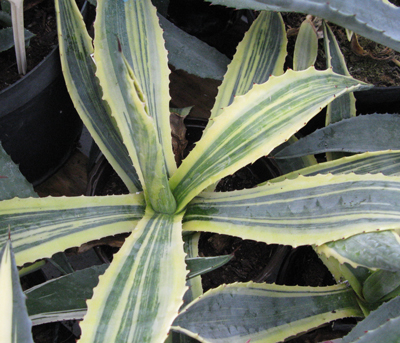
point(360, 134)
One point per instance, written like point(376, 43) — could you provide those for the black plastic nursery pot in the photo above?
point(378, 100)
point(38, 123)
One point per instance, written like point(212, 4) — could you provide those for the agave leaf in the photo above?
point(7, 38)
point(371, 250)
point(194, 284)
point(373, 19)
point(202, 265)
point(360, 134)
point(140, 293)
point(63, 298)
point(260, 54)
point(86, 93)
point(307, 210)
point(12, 183)
point(263, 313)
point(43, 227)
point(190, 54)
point(254, 124)
point(292, 164)
point(381, 285)
point(135, 25)
point(140, 136)
point(345, 106)
point(306, 46)
point(133, 107)
point(15, 325)
point(380, 324)
point(345, 272)
point(385, 162)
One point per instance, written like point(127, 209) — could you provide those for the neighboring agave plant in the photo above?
point(120, 89)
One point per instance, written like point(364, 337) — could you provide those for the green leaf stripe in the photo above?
point(140, 294)
point(254, 124)
point(263, 313)
point(86, 93)
point(42, 227)
point(307, 210)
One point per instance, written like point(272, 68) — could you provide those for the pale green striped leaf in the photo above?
point(374, 19)
point(382, 325)
point(254, 124)
point(140, 294)
point(306, 46)
point(43, 227)
point(381, 285)
point(306, 210)
point(260, 54)
point(135, 25)
point(140, 136)
point(372, 132)
point(133, 106)
point(371, 250)
point(63, 298)
point(263, 313)
point(15, 325)
point(345, 106)
point(86, 93)
point(12, 182)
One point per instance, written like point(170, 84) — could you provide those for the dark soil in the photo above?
point(39, 18)
point(374, 65)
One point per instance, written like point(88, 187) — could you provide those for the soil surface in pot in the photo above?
point(370, 62)
point(40, 19)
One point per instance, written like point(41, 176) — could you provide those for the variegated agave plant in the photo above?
point(125, 107)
